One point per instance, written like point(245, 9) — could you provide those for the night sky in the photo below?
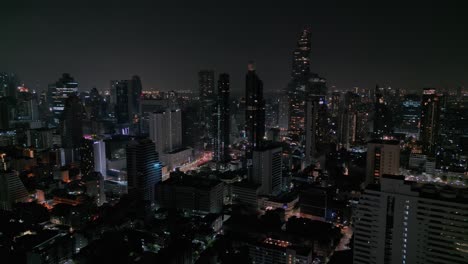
point(409, 47)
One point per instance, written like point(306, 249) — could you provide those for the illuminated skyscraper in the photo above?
point(58, 94)
point(206, 83)
point(143, 169)
point(255, 110)
point(222, 126)
point(430, 124)
point(297, 87)
point(301, 56)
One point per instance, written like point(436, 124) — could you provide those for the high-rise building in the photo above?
point(267, 169)
point(135, 91)
point(255, 110)
point(406, 222)
point(206, 84)
point(301, 56)
point(410, 114)
point(8, 84)
point(165, 129)
point(86, 157)
point(71, 122)
point(58, 94)
point(222, 126)
point(348, 120)
point(296, 89)
point(12, 189)
point(383, 157)
point(383, 120)
point(120, 95)
point(430, 124)
point(93, 156)
point(6, 103)
point(143, 168)
point(315, 125)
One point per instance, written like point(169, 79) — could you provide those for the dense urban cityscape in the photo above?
point(306, 174)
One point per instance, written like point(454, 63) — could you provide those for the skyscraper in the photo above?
point(296, 89)
point(165, 129)
point(206, 83)
point(71, 122)
point(255, 110)
point(383, 120)
point(301, 56)
point(12, 189)
point(8, 84)
point(314, 125)
point(86, 157)
point(58, 94)
point(267, 169)
point(120, 95)
point(221, 139)
point(143, 168)
point(135, 90)
point(430, 115)
point(348, 120)
point(383, 157)
point(406, 222)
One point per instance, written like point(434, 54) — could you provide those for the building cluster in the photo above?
point(304, 175)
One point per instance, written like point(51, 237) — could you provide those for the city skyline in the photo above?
point(407, 48)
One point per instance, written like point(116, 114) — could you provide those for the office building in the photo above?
point(165, 129)
point(206, 84)
point(71, 122)
point(255, 110)
point(58, 93)
point(267, 169)
point(120, 100)
point(222, 124)
point(12, 189)
point(8, 84)
point(315, 126)
point(134, 93)
point(297, 86)
point(405, 222)
point(430, 120)
point(383, 157)
point(143, 168)
point(191, 193)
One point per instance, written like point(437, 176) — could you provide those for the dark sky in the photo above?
point(399, 45)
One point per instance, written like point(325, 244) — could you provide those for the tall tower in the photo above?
point(296, 89)
point(143, 168)
point(221, 141)
point(166, 130)
point(430, 123)
point(267, 169)
point(301, 56)
point(255, 110)
point(58, 94)
point(135, 90)
point(120, 95)
point(72, 122)
point(206, 83)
